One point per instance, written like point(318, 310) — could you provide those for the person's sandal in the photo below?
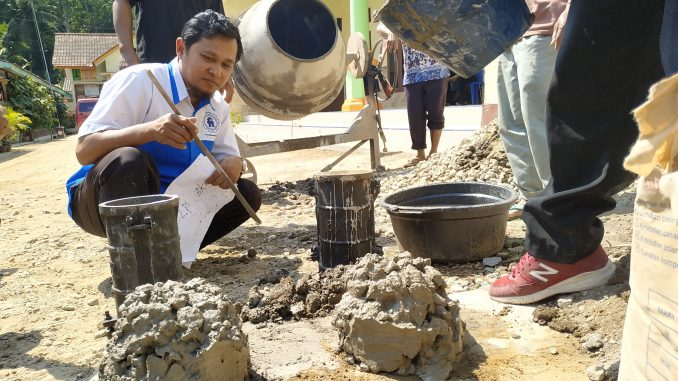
point(412, 162)
point(516, 211)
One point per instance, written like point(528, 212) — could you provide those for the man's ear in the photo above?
point(180, 46)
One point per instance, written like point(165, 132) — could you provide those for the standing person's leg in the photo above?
point(124, 172)
point(416, 116)
point(512, 128)
point(435, 93)
point(608, 59)
point(436, 134)
point(536, 59)
point(233, 214)
point(669, 37)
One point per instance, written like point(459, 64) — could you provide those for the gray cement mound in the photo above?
point(309, 297)
point(176, 331)
point(396, 317)
point(481, 157)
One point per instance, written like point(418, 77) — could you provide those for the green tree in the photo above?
point(86, 16)
point(33, 100)
point(20, 42)
point(3, 30)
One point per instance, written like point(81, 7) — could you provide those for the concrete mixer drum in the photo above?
point(301, 28)
point(294, 63)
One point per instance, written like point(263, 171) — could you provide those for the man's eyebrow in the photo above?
point(213, 52)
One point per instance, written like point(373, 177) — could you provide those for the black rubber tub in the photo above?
point(452, 222)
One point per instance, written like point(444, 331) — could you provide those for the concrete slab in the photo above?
point(460, 121)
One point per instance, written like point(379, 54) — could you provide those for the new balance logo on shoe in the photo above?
point(548, 270)
point(520, 286)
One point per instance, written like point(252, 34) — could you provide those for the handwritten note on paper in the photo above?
point(198, 203)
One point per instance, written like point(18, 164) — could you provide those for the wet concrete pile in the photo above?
point(176, 331)
point(308, 297)
point(396, 317)
point(280, 189)
point(479, 158)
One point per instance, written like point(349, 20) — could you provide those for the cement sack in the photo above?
point(650, 339)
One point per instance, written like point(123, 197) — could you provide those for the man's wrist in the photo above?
point(129, 54)
point(127, 50)
point(145, 133)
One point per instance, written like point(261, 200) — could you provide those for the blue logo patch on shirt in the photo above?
point(210, 123)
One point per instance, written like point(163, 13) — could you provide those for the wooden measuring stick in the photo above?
point(205, 151)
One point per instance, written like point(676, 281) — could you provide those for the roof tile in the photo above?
point(81, 49)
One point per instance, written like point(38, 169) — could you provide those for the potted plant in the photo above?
point(6, 142)
point(17, 123)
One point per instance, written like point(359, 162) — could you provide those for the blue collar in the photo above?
point(175, 91)
point(201, 104)
point(173, 84)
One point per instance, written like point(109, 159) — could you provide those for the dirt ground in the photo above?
point(55, 284)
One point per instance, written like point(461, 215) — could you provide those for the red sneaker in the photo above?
point(534, 279)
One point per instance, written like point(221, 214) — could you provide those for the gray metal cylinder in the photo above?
point(294, 60)
point(345, 216)
point(143, 241)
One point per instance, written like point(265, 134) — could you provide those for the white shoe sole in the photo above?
point(581, 282)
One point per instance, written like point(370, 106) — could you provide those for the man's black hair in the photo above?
point(209, 24)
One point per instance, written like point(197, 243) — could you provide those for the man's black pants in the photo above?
point(128, 172)
point(612, 52)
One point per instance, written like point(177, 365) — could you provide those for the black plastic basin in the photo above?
point(452, 222)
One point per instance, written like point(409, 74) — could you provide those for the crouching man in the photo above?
point(133, 145)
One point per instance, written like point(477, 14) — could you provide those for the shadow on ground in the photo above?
point(474, 356)
point(6, 272)
point(7, 156)
point(14, 348)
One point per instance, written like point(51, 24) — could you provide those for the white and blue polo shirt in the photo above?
point(130, 98)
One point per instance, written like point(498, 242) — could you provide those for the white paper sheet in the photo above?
point(198, 203)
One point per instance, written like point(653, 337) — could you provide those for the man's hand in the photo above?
point(4, 130)
point(171, 129)
point(228, 91)
point(558, 28)
point(386, 34)
point(232, 165)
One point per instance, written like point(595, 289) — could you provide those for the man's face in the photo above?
point(207, 65)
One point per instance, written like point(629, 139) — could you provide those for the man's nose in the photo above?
point(216, 71)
